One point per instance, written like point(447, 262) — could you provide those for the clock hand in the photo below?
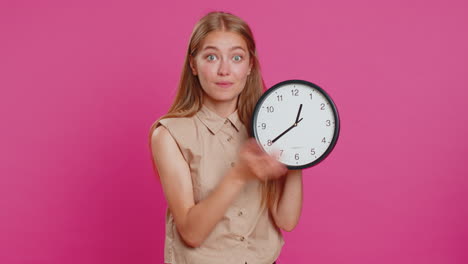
point(282, 134)
point(298, 113)
point(286, 131)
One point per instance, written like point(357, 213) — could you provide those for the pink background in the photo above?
point(82, 81)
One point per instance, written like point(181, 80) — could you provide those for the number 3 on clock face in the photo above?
point(298, 120)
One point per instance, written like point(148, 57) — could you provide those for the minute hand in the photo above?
point(286, 131)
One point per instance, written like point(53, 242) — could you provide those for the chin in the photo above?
point(224, 95)
point(220, 97)
point(225, 99)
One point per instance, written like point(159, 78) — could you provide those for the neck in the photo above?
point(223, 109)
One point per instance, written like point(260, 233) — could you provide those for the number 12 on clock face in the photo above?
point(299, 121)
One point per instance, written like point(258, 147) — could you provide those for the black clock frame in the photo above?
point(329, 99)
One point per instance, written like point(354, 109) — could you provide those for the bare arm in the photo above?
point(287, 209)
point(194, 222)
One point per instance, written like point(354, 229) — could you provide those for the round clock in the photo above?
point(299, 121)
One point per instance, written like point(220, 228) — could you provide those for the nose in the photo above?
point(224, 67)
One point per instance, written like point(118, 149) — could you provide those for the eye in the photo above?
point(211, 57)
point(237, 58)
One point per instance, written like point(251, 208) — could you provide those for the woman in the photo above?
point(227, 199)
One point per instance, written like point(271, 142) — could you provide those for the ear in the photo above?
point(192, 65)
point(250, 67)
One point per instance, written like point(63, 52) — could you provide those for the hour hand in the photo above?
point(291, 127)
point(298, 114)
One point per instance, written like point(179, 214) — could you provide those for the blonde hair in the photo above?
point(188, 100)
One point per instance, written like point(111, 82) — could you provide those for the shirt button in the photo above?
point(242, 238)
point(226, 121)
point(229, 138)
point(240, 213)
point(233, 164)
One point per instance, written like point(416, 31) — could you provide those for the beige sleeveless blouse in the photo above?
point(246, 233)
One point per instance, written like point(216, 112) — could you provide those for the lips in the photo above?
point(224, 84)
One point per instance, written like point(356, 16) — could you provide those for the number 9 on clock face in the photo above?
point(298, 121)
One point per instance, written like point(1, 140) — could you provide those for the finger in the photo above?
point(268, 167)
point(255, 148)
point(264, 167)
point(277, 168)
point(275, 154)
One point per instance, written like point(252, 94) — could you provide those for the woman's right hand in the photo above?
point(254, 163)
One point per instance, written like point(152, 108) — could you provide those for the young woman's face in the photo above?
point(222, 65)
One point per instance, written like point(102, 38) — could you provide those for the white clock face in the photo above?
point(298, 121)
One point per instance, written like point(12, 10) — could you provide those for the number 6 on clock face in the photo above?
point(299, 121)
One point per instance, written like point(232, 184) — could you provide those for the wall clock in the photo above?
point(299, 121)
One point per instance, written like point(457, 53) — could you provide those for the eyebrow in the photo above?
point(215, 48)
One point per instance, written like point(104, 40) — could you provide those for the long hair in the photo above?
point(188, 100)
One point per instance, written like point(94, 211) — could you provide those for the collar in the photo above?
point(214, 122)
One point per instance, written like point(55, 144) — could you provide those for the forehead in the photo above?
point(223, 40)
